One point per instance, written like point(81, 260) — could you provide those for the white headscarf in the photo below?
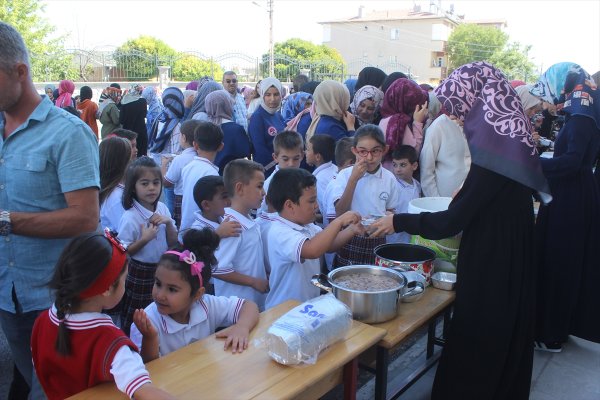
point(265, 84)
point(528, 100)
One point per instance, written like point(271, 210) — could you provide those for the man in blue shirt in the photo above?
point(49, 180)
point(240, 111)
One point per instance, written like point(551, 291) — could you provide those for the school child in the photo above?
point(212, 198)
point(74, 345)
point(182, 313)
point(296, 243)
point(241, 270)
point(405, 162)
point(366, 188)
point(320, 151)
point(129, 135)
point(115, 154)
point(344, 158)
point(288, 152)
point(148, 229)
point(171, 167)
point(208, 141)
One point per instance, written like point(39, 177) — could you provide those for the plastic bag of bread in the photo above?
point(303, 332)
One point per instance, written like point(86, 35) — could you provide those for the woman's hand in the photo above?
point(349, 120)
point(383, 226)
point(420, 114)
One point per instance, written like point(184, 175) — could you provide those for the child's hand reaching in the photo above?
point(149, 232)
point(229, 229)
point(144, 325)
point(349, 218)
point(235, 336)
point(158, 219)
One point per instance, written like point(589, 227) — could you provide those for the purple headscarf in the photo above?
point(495, 125)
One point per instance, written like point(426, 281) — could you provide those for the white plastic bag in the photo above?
point(303, 332)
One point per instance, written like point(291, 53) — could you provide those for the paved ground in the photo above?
point(573, 374)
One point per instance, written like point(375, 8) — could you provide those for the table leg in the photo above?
point(381, 373)
point(431, 337)
point(351, 379)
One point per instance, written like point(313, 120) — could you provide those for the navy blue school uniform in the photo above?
point(236, 144)
point(262, 129)
point(327, 126)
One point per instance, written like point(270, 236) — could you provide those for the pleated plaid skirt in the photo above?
point(138, 291)
point(358, 251)
point(177, 210)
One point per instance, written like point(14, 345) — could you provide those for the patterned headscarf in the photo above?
point(149, 93)
point(134, 93)
point(496, 128)
point(367, 92)
point(219, 106)
point(331, 98)
point(581, 96)
point(207, 87)
point(295, 103)
point(111, 96)
point(65, 92)
point(171, 116)
point(551, 83)
point(399, 103)
point(265, 85)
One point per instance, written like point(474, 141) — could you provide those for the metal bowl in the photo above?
point(415, 286)
point(444, 280)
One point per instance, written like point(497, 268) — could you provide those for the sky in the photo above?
point(558, 30)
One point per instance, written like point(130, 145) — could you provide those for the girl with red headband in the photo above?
point(181, 312)
point(74, 345)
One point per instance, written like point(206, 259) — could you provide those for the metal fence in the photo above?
point(117, 65)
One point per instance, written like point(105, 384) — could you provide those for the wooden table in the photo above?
point(411, 317)
point(204, 370)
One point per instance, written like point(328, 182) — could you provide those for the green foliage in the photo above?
point(471, 42)
point(138, 58)
point(515, 63)
point(49, 60)
point(189, 67)
point(295, 54)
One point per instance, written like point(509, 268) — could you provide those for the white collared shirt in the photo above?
point(264, 221)
point(130, 231)
point(200, 222)
point(324, 173)
point(408, 192)
point(374, 193)
point(206, 315)
point(174, 172)
point(243, 254)
point(111, 210)
point(263, 205)
point(190, 174)
point(127, 366)
point(290, 273)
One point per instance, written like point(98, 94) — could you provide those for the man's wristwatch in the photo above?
point(5, 225)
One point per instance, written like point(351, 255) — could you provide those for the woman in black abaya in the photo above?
point(489, 349)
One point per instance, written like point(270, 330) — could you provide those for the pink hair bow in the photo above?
point(190, 258)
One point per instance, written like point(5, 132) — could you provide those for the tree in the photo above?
point(139, 58)
point(49, 60)
point(294, 55)
point(471, 42)
point(515, 63)
point(188, 67)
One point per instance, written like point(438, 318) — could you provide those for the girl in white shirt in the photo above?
point(181, 312)
point(148, 229)
point(115, 153)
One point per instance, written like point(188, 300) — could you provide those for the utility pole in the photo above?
point(271, 59)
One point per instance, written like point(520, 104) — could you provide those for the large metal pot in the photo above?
point(406, 257)
point(368, 307)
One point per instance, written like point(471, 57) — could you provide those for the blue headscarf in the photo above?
point(171, 116)
point(149, 93)
point(294, 104)
point(551, 83)
point(581, 96)
point(351, 85)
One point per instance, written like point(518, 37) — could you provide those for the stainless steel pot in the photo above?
point(367, 307)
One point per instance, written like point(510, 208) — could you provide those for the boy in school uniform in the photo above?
point(212, 198)
point(320, 151)
point(404, 163)
point(296, 242)
point(171, 167)
point(241, 270)
point(288, 152)
point(344, 158)
point(208, 141)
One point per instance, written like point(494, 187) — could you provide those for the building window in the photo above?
point(394, 34)
point(440, 62)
